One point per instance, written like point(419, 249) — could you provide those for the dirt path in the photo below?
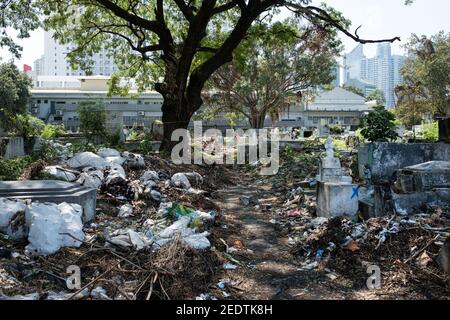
point(270, 271)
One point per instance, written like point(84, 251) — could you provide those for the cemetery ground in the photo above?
point(165, 231)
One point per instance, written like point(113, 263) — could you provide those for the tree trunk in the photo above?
point(174, 117)
point(257, 121)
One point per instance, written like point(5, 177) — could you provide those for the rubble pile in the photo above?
point(149, 239)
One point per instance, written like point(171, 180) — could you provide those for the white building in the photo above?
point(334, 107)
point(60, 105)
point(54, 62)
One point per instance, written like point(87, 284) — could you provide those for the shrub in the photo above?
point(335, 129)
point(47, 153)
point(52, 131)
point(12, 169)
point(113, 139)
point(146, 144)
point(430, 132)
point(92, 119)
point(379, 125)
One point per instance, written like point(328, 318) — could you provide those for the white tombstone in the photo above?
point(336, 194)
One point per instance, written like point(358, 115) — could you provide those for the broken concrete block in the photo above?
point(52, 191)
point(424, 177)
point(384, 159)
point(336, 199)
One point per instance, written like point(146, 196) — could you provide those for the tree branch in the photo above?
point(320, 14)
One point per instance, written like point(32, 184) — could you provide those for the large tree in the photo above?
point(426, 74)
point(274, 63)
point(378, 96)
point(14, 94)
point(412, 106)
point(171, 45)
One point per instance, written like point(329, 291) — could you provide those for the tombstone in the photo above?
point(336, 194)
point(52, 191)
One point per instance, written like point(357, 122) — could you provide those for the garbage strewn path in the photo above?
point(268, 269)
point(271, 271)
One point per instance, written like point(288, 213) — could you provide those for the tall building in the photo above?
point(383, 70)
point(54, 62)
point(337, 75)
point(353, 63)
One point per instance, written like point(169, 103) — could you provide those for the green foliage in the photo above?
point(52, 131)
point(378, 96)
point(339, 144)
point(271, 66)
point(12, 169)
point(84, 147)
point(27, 126)
point(136, 135)
point(379, 125)
point(113, 138)
point(46, 152)
point(430, 132)
point(428, 70)
point(20, 15)
point(146, 146)
point(92, 119)
point(14, 93)
point(335, 129)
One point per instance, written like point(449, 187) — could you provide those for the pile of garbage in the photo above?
point(406, 248)
point(146, 213)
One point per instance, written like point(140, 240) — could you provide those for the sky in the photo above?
point(378, 18)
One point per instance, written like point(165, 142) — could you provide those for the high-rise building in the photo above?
point(55, 62)
point(337, 75)
point(383, 70)
point(353, 63)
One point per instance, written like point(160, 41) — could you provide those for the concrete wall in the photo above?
point(385, 158)
point(12, 147)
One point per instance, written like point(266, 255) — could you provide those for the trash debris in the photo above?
point(129, 239)
point(86, 160)
point(31, 296)
point(248, 200)
point(125, 211)
point(61, 173)
point(229, 266)
point(53, 226)
point(91, 178)
point(99, 293)
point(133, 161)
point(10, 211)
point(180, 180)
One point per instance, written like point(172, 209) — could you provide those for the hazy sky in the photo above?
point(379, 19)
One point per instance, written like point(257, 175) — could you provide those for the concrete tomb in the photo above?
point(52, 191)
point(336, 194)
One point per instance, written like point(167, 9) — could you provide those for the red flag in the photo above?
point(26, 68)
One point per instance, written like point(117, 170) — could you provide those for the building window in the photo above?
point(45, 101)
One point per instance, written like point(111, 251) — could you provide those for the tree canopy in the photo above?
point(173, 46)
point(14, 94)
point(378, 96)
point(426, 74)
point(274, 63)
